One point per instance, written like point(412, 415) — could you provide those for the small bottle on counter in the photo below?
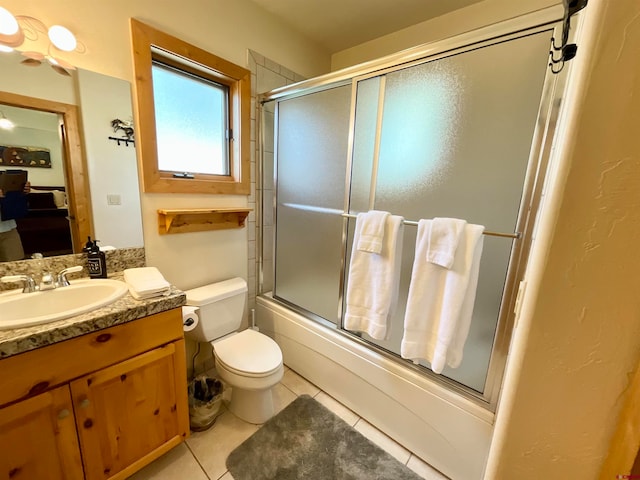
point(96, 260)
point(88, 246)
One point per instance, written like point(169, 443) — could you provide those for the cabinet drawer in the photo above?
point(36, 371)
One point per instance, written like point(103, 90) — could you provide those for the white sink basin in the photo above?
point(19, 309)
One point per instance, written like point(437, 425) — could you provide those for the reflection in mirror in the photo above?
point(37, 229)
point(110, 211)
point(34, 145)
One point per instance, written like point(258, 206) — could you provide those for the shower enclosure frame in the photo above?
point(536, 174)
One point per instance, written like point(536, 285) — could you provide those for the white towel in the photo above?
point(146, 282)
point(444, 236)
point(440, 301)
point(373, 283)
point(372, 230)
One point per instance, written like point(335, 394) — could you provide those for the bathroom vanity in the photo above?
point(96, 396)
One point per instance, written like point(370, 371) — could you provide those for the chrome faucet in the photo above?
point(47, 282)
point(29, 284)
point(61, 278)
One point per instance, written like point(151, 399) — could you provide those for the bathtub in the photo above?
point(446, 430)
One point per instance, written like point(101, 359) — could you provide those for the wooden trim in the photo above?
point(75, 167)
point(625, 443)
point(143, 38)
point(47, 367)
point(106, 374)
point(148, 458)
point(200, 219)
point(180, 376)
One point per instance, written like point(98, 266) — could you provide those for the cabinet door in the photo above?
point(38, 438)
point(132, 412)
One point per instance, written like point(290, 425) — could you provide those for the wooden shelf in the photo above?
point(200, 219)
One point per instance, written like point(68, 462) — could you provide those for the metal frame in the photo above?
point(534, 180)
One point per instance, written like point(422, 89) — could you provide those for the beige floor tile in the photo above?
point(282, 397)
point(336, 407)
point(213, 446)
point(299, 385)
point(176, 463)
point(376, 436)
point(425, 470)
point(226, 476)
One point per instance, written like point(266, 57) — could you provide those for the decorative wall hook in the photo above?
point(126, 141)
point(127, 129)
point(567, 50)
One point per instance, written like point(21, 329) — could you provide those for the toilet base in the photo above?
point(253, 406)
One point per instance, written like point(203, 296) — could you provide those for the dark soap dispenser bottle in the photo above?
point(96, 260)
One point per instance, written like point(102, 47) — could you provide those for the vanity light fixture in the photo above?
point(5, 123)
point(36, 42)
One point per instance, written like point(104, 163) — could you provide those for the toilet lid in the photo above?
point(249, 351)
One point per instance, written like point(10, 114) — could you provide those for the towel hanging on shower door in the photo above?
point(440, 300)
point(374, 278)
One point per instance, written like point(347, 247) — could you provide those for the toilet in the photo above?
point(248, 361)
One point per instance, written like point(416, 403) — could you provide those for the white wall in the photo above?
point(454, 23)
point(112, 167)
point(40, 82)
point(36, 129)
point(576, 344)
point(224, 28)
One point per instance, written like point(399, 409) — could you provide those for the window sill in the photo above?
point(200, 219)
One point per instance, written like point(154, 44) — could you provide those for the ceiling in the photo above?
point(341, 24)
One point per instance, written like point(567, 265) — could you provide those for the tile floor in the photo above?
point(203, 455)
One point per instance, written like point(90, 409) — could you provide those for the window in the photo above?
point(193, 116)
point(192, 122)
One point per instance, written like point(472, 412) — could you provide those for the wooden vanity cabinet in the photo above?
point(99, 406)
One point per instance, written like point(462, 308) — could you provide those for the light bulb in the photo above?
point(5, 123)
point(62, 38)
point(11, 35)
point(8, 23)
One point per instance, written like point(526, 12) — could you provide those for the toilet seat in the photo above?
point(249, 354)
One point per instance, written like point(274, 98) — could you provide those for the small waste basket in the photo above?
point(205, 397)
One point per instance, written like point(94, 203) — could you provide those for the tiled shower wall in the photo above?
point(265, 75)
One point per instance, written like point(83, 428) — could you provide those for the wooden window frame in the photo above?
point(145, 41)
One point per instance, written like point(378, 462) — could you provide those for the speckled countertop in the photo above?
point(123, 310)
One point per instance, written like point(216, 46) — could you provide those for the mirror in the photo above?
point(100, 175)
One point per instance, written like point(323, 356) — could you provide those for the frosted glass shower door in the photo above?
point(311, 158)
point(455, 141)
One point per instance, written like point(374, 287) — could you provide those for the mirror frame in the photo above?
point(75, 168)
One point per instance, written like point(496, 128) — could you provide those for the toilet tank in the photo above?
point(221, 307)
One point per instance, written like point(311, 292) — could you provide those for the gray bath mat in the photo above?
point(307, 441)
